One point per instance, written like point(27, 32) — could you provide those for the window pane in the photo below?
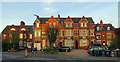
point(37, 24)
point(50, 24)
point(30, 36)
point(39, 34)
point(54, 24)
point(81, 24)
point(35, 33)
point(25, 36)
point(66, 24)
point(21, 36)
point(70, 24)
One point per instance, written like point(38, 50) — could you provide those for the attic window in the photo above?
point(98, 28)
point(108, 28)
point(23, 29)
point(85, 24)
point(12, 29)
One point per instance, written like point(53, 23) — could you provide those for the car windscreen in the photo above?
point(98, 48)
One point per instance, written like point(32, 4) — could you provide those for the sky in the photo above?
point(15, 11)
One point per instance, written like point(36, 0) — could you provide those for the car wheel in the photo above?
point(66, 50)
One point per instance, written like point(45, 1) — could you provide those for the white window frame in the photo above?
point(35, 33)
point(98, 28)
point(66, 24)
point(81, 24)
point(70, 24)
point(85, 24)
point(37, 24)
point(54, 24)
point(39, 33)
point(108, 28)
point(50, 24)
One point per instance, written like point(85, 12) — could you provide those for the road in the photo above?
point(73, 55)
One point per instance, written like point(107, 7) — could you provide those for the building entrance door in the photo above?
point(76, 44)
point(60, 44)
point(37, 45)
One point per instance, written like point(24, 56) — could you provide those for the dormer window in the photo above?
point(108, 28)
point(85, 24)
point(66, 24)
point(98, 28)
point(81, 24)
point(37, 24)
point(54, 24)
point(70, 24)
point(50, 24)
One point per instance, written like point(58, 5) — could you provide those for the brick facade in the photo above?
point(75, 32)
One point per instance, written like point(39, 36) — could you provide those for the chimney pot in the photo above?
point(58, 16)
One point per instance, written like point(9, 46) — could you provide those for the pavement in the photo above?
point(75, 54)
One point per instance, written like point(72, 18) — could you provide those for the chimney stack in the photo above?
point(58, 16)
point(101, 23)
point(22, 23)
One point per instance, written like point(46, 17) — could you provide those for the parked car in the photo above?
point(44, 48)
point(98, 50)
point(64, 49)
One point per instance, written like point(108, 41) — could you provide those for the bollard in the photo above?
point(26, 53)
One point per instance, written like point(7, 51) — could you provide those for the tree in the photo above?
point(14, 39)
point(5, 44)
point(52, 35)
point(116, 41)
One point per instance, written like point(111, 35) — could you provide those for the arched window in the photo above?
point(12, 29)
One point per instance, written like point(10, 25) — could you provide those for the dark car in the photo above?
point(98, 50)
point(64, 49)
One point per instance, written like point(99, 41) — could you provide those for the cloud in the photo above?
point(51, 9)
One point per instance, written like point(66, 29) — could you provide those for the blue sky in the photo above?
point(14, 12)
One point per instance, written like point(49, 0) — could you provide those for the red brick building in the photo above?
point(25, 34)
point(75, 32)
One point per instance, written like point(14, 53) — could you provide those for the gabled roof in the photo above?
point(29, 27)
point(62, 19)
point(104, 27)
